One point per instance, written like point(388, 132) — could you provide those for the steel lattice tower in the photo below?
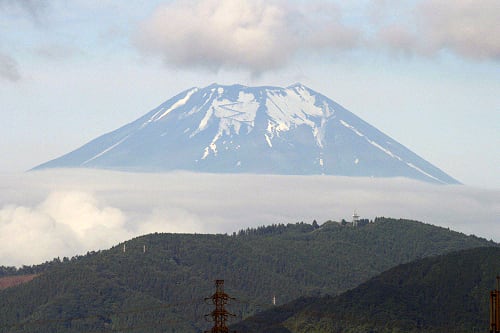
point(495, 308)
point(220, 315)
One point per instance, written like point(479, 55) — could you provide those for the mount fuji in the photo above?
point(265, 130)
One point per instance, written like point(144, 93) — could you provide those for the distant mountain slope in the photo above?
point(239, 129)
point(449, 293)
point(163, 288)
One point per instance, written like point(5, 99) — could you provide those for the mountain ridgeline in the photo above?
point(448, 293)
point(263, 130)
point(158, 282)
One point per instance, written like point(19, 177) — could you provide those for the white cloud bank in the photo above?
point(262, 35)
point(67, 212)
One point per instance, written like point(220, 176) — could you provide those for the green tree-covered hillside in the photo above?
point(162, 289)
point(448, 293)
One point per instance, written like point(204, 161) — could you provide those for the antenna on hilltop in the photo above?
point(355, 219)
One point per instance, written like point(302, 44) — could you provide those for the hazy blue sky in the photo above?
point(426, 73)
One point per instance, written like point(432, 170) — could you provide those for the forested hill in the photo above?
point(163, 287)
point(448, 293)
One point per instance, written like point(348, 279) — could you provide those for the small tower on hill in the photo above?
point(355, 219)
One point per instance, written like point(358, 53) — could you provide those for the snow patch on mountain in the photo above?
point(293, 107)
point(105, 151)
point(387, 151)
point(177, 104)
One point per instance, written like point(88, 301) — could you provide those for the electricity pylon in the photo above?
point(495, 308)
point(220, 315)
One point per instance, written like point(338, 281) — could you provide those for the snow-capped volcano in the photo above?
point(235, 129)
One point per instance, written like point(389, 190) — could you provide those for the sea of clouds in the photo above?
point(57, 213)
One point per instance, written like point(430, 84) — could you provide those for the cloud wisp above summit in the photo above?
point(59, 213)
point(267, 35)
point(256, 35)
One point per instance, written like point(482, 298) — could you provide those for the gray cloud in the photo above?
point(463, 27)
point(9, 69)
point(68, 212)
point(266, 35)
point(468, 28)
point(251, 34)
point(34, 8)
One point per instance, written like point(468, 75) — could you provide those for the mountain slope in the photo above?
point(163, 288)
point(448, 293)
point(239, 129)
